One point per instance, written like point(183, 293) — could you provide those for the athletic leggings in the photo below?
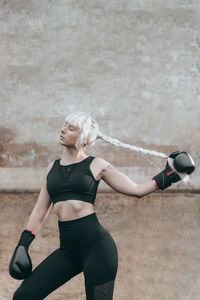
point(85, 246)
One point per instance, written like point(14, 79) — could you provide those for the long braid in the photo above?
point(186, 179)
point(90, 129)
point(130, 147)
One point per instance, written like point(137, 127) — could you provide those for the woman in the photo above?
point(70, 185)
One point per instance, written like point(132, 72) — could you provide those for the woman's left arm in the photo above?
point(123, 184)
point(179, 164)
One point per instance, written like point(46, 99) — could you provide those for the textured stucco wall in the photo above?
point(134, 65)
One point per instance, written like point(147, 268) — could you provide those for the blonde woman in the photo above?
point(70, 185)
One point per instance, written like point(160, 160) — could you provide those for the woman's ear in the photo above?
point(86, 141)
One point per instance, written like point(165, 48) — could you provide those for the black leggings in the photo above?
point(85, 246)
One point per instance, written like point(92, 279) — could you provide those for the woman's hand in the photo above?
point(179, 164)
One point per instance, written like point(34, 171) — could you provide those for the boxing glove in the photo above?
point(179, 164)
point(20, 265)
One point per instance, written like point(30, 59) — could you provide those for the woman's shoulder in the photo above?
point(102, 163)
point(50, 165)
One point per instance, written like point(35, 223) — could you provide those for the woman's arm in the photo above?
point(20, 265)
point(42, 207)
point(123, 184)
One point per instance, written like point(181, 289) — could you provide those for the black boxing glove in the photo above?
point(179, 164)
point(20, 265)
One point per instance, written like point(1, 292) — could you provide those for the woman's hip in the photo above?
point(80, 233)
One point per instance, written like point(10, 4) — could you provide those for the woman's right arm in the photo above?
point(20, 265)
point(42, 206)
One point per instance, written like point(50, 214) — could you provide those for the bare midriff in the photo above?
point(72, 209)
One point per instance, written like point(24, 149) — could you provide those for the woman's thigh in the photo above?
point(100, 266)
point(51, 273)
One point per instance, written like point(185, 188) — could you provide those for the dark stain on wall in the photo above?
point(21, 155)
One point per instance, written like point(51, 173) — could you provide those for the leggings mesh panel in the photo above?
point(104, 291)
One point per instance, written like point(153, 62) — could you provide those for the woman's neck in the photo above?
point(74, 155)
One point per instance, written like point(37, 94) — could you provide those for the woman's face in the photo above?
point(69, 134)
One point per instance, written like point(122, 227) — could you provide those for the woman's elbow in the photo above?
point(145, 188)
point(139, 192)
point(138, 196)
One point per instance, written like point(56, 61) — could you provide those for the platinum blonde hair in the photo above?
point(89, 128)
point(87, 125)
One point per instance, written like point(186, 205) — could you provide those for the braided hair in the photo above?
point(89, 129)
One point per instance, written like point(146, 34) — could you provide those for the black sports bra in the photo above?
point(74, 181)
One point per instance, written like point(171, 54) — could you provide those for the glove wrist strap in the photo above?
point(165, 178)
point(26, 238)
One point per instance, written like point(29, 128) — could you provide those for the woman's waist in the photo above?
point(67, 210)
point(81, 227)
point(80, 221)
point(68, 196)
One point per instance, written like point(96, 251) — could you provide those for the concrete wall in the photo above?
point(134, 65)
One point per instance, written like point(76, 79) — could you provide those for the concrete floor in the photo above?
point(157, 239)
